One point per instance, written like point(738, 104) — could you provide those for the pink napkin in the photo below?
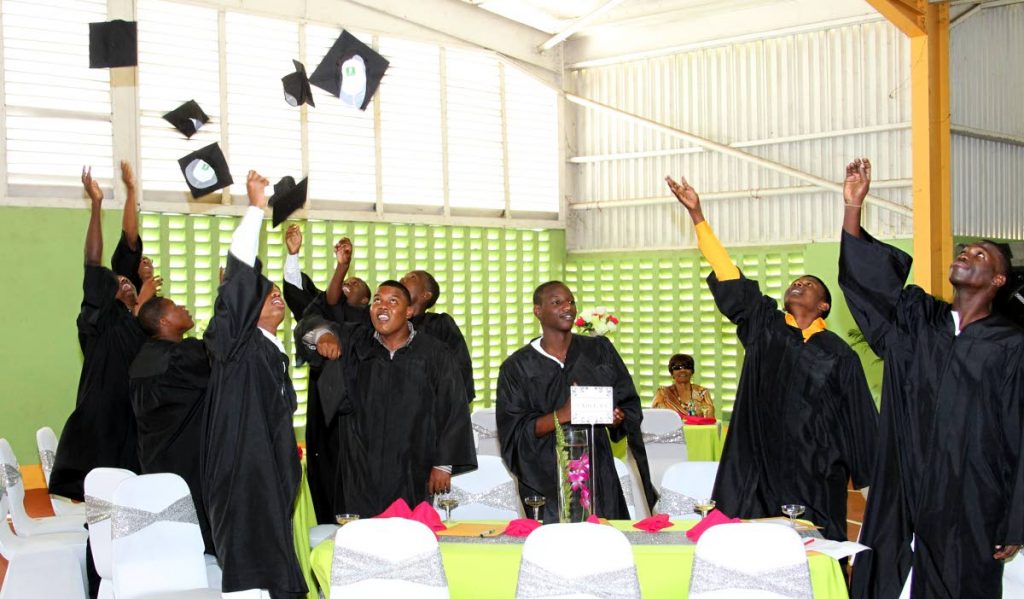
point(698, 420)
point(425, 513)
point(653, 523)
point(713, 518)
point(398, 509)
point(521, 527)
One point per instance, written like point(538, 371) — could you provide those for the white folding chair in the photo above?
point(487, 493)
point(46, 443)
point(25, 525)
point(387, 557)
point(664, 440)
point(42, 567)
point(682, 485)
point(750, 560)
point(156, 546)
point(485, 431)
point(580, 560)
point(99, 485)
point(631, 490)
point(1013, 578)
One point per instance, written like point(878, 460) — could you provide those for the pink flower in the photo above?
point(580, 322)
point(613, 320)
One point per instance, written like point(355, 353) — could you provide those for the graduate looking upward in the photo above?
point(353, 290)
point(804, 422)
point(128, 259)
point(949, 473)
point(299, 290)
point(425, 291)
point(167, 382)
point(249, 463)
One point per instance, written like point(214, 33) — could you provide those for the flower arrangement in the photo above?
point(597, 322)
point(579, 474)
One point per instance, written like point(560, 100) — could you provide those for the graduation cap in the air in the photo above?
point(187, 118)
point(113, 44)
point(296, 86)
point(350, 70)
point(205, 170)
point(288, 197)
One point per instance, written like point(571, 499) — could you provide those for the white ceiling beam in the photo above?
point(578, 24)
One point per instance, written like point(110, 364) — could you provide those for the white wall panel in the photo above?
point(987, 181)
point(809, 84)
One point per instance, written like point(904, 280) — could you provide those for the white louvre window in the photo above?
point(178, 52)
point(264, 131)
point(342, 152)
point(410, 98)
point(476, 172)
point(531, 110)
point(58, 109)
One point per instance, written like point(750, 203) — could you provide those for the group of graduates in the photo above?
point(388, 412)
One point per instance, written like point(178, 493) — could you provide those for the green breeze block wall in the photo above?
point(487, 275)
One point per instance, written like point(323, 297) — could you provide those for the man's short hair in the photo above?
point(397, 285)
point(1003, 249)
point(828, 295)
point(432, 287)
point(684, 360)
point(150, 314)
point(538, 293)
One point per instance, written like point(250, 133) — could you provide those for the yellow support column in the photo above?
point(927, 26)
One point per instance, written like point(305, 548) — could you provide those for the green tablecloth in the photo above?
point(304, 518)
point(478, 571)
point(703, 443)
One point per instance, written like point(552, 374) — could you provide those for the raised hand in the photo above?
point(92, 187)
point(857, 183)
point(686, 195)
point(256, 185)
point(343, 251)
point(293, 239)
point(127, 175)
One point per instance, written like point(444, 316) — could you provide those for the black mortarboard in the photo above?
point(296, 86)
point(350, 70)
point(187, 118)
point(288, 197)
point(113, 44)
point(205, 170)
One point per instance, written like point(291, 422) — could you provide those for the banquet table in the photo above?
point(490, 568)
point(703, 442)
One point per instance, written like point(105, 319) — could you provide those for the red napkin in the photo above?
point(426, 514)
point(653, 523)
point(521, 527)
point(713, 518)
point(398, 509)
point(698, 420)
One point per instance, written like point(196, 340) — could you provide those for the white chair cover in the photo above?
point(100, 484)
point(320, 533)
point(485, 431)
point(682, 485)
point(750, 560)
point(25, 525)
point(46, 443)
point(577, 561)
point(631, 490)
point(1013, 578)
point(157, 548)
point(664, 439)
point(387, 557)
point(487, 493)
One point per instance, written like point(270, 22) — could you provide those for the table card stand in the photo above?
point(592, 406)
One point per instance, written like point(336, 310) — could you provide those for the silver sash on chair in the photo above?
point(484, 432)
point(627, 489)
point(9, 476)
point(351, 566)
point(96, 509)
point(46, 457)
point(503, 497)
point(792, 581)
point(536, 581)
point(126, 520)
point(676, 436)
point(675, 503)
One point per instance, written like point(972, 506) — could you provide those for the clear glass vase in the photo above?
point(575, 489)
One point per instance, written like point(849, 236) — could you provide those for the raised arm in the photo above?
point(855, 189)
point(245, 242)
point(292, 267)
point(130, 216)
point(710, 247)
point(94, 234)
point(343, 255)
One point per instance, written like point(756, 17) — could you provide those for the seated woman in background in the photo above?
point(683, 396)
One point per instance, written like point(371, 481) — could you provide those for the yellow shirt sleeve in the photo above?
point(715, 254)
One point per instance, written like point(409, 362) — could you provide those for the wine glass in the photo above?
point(343, 519)
point(704, 506)
point(793, 510)
point(535, 502)
point(448, 501)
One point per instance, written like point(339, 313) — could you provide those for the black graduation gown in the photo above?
point(948, 470)
point(398, 416)
point(804, 422)
point(125, 261)
point(299, 298)
point(168, 387)
point(441, 326)
point(101, 430)
point(249, 461)
point(530, 386)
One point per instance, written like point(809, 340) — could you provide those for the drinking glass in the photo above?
point(535, 502)
point(704, 506)
point(343, 519)
point(793, 510)
point(447, 501)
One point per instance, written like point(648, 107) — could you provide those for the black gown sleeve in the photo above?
point(125, 261)
point(454, 427)
point(237, 309)
point(858, 420)
point(460, 352)
point(531, 459)
point(1013, 433)
point(99, 296)
point(298, 299)
point(741, 301)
